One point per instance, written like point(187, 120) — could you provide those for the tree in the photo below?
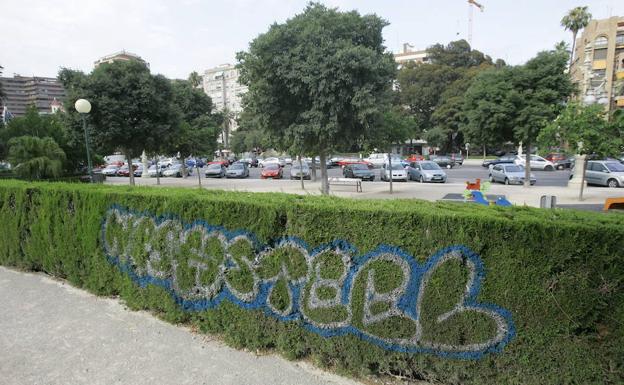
point(488, 109)
point(395, 126)
point(575, 20)
point(42, 126)
point(434, 91)
point(132, 109)
point(195, 79)
point(588, 130)
point(36, 158)
point(319, 80)
point(541, 87)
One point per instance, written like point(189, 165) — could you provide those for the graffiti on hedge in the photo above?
point(384, 297)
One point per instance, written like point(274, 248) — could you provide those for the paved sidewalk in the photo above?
point(517, 195)
point(52, 333)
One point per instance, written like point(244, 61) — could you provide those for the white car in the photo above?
point(379, 159)
point(537, 163)
point(266, 161)
point(398, 172)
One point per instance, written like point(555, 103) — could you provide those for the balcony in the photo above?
point(619, 101)
point(619, 74)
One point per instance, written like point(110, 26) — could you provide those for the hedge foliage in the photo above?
point(559, 273)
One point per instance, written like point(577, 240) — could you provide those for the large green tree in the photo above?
point(434, 91)
point(35, 158)
point(575, 20)
point(42, 126)
point(132, 109)
point(319, 80)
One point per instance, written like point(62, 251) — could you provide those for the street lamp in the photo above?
point(84, 107)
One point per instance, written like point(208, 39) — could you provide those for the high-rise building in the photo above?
point(409, 55)
point(598, 64)
point(120, 56)
point(21, 92)
point(221, 84)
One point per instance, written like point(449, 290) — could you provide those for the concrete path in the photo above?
point(52, 333)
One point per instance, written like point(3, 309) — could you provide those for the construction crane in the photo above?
point(471, 5)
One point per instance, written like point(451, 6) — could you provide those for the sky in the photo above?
point(38, 37)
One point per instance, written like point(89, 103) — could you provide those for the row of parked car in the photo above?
point(551, 162)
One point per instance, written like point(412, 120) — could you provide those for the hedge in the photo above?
point(443, 292)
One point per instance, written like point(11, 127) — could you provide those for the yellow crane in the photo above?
point(471, 5)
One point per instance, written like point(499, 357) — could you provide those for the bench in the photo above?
point(346, 182)
point(613, 203)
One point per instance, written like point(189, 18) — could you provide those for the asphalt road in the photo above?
point(459, 174)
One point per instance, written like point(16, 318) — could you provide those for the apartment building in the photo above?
point(44, 93)
point(598, 65)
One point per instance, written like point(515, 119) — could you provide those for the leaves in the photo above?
point(36, 158)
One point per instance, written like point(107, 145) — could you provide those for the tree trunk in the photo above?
point(484, 153)
point(324, 182)
point(301, 174)
point(198, 172)
point(583, 179)
point(573, 48)
point(157, 171)
point(314, 168)
point(184, 173)
point(130, 170)
point(390, 170)
point(527, 167)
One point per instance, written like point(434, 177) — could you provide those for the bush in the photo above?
point(539, 292)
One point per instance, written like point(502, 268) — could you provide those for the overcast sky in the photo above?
point(38, 37)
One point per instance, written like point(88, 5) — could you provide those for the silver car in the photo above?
point(176, 170)
point(297, 172)
point(215, 170)
point(237, 170)
point(398, 172)
point(604, 173)
point(426, 171)
point(509, 173)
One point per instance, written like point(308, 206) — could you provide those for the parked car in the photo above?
point(508, 158)
point(123, 170)
point(176, 170)
point(398, 172)
point(509, 174)
point(138, 171)
point(604, 173)
point(560, 160)
point(358, 170)
point(297, 172)
point(426, 171)
point(537, 163)
point(272, 170)
point(442, 160)
point(250, 162)
point(334, 162)
point(196, 162)
point(215, 170)
point(288, 160)
point(237, 170)
point(347, 161)
point(415, 158)
point(154, 169)
point(266, 161)
point(111, 170)
point(457, 158)
point(379, 159)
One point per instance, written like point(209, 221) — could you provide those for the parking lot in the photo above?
point(459, 174)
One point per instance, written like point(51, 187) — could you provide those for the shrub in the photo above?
point(539, 291)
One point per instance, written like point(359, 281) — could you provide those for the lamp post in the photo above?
point(84, 107)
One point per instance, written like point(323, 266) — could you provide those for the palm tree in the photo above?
point(195, 79)
point(576, 19)
point(35, 158)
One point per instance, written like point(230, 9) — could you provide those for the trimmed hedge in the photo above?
point(560, 274)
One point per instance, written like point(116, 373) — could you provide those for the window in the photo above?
point(619, 39)
point(600, 54)
point(601, 42)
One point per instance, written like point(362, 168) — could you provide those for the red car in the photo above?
point(123, 170)
point(347, 161)
point(271, 170)
point(415, 158)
